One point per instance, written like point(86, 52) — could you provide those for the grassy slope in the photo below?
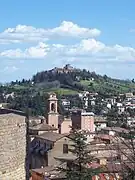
point(62, 91)
point(120, 87)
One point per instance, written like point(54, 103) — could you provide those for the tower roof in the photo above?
point(52, 96)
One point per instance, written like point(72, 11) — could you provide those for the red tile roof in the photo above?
point(104, 136)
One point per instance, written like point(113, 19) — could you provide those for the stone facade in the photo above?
point(12, 147)
point(41, 158)
point(57, 151)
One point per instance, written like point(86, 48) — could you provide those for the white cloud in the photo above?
point(88, 48)
point(79, 48)
point(23, 33)
point(73, 30)
point(99, 50)
point(86, 52)
point(39, 51)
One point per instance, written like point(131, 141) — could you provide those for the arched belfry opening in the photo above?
point(53, 107)
point(53, 103)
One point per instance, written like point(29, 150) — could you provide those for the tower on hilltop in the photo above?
point(53, 116)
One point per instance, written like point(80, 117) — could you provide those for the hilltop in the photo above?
point(69, 80)
point(66, 82)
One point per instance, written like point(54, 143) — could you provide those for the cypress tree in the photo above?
point(79, 168)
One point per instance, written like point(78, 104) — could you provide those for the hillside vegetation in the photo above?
point(72, 82)
point(80, 80)
point(66, 83)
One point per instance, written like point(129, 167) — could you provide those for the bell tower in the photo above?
point(53, 116)
point(53, 101)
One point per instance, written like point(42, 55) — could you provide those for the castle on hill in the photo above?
point(66, 69)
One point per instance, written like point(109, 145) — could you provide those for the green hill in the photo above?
point(69, 80)
point(66, 82)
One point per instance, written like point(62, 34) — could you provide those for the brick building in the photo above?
point(83, 120)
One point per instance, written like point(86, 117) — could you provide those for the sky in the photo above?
point(37, 35)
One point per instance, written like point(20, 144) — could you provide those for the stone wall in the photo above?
point(12, 147)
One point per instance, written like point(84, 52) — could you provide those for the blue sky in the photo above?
point(38, 35)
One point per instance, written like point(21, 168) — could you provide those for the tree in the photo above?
point(129, 164)
point(133, 80)
point(124, 145)
point(79, 168)
point(105, 77)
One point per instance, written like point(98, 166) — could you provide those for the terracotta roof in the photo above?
point(114, 146)
point(94, 165)
point(43, 170)
point(104, 136)
point(42, 127)
point(51, 136)
point(68, 157)
point(9, 115)
point(117, 167)
point(106, 154)
point(104, 176)
point(112, 167)
point(60, 175)
point(116, 129)
point(49, 172)
point(13, 111)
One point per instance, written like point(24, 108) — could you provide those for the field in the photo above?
point(63, 91)
point(110, 85)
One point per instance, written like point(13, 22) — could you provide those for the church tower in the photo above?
point(53, 116)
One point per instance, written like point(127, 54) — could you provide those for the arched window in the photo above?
point(53, 107)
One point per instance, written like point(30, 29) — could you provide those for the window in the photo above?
point(65, 148)
point(53, 107)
